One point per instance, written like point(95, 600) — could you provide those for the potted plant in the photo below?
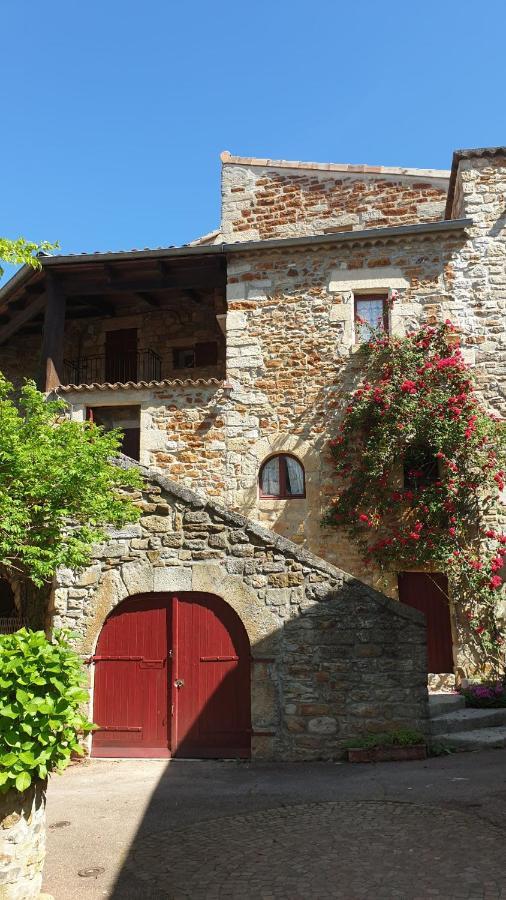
point(485, 695)
point(397, 745)
point(41, 692)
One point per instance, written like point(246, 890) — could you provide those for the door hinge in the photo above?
point(172, 709)
point(169, 654)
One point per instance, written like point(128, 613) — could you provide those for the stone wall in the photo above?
point(22, 843)
point(182, 428)
point(332, 658)
point(266, 199)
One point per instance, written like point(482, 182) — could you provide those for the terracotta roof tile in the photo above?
point(139, 385)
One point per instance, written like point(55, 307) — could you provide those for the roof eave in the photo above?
point(225, 249)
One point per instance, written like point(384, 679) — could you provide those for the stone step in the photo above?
point(479, 739)
point(467, 720)
point(445, 703)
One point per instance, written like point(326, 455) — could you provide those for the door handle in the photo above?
point(179, 682)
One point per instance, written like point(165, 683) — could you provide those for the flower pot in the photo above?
point(22, 842)
point(387, 754)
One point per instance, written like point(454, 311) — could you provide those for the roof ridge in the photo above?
point(227, 158)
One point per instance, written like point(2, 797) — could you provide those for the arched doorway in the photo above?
point(172, 678)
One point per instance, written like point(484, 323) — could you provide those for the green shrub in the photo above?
point(403, 737)
point(41, 692)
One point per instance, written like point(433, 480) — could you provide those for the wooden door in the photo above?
point(121, 355)
point(131, 680)
point(211, 679)
point(428, 592)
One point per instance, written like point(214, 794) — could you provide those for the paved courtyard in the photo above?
point(152, 829)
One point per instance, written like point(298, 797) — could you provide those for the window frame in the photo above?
point(366, 295)
point(431, 471)
point(283, 494)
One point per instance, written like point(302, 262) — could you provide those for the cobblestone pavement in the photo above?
point(152, 830)
point(324, 850)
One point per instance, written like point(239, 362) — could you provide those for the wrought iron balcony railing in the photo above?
point(10, 624)
point(143, 365)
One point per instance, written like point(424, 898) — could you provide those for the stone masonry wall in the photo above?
point(291, 357)
point(294, 199)
point(332, 658)
point(22, 842)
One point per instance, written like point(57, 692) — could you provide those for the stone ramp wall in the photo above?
point(331, 657)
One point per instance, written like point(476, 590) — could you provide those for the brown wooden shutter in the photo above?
point(206, 354)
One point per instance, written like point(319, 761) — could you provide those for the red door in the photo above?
point(163, 660)
point(211, 679)
point(428, 592)
point(121, 355)
point(131, 680)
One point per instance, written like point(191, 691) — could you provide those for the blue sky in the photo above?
point(115, 112)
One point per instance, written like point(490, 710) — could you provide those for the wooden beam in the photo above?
point(23, 316)
point(100, 306)
point(188, 280)
point(51, 355)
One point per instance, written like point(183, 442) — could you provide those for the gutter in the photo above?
point(371, 234)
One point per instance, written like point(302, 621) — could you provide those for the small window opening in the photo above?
point(420, 467)
point(126, 418)
point(371, 313)
point(202, 354)
point(282, 478)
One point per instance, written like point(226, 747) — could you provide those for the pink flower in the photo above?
point(495, 582)
point(409, 387)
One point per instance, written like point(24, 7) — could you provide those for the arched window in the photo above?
point(282, 477)
point(420, 466)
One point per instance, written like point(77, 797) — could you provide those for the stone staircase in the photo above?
point(454, 726)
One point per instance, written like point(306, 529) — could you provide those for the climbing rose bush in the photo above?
point(418, 400)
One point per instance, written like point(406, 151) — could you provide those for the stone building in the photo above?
point(226, 362)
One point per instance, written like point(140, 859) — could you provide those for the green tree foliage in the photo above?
point(58, 485)
point(41, 691)
point(20, 251)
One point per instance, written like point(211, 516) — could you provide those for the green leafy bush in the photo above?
point(59, 488)
point(41, 692)
point(404, 737)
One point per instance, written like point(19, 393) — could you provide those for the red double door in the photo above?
point(172, 678)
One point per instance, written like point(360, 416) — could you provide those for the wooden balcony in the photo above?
point(135, 366)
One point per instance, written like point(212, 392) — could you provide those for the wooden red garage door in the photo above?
point(211, 677)
point(428, 592)
point(172, 676)
point(130, 697)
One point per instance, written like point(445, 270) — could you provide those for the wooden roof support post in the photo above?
point(51, 354)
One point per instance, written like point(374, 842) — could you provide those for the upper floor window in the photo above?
point(203, 354)
point(420, 467)
point(282, 477)
point(371, 313)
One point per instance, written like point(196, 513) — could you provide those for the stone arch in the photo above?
point(141, 577)
point(262, 626)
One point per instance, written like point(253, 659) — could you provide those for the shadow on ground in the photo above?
point(152, 829)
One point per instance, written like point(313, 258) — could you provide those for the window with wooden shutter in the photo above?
point(206, 354)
